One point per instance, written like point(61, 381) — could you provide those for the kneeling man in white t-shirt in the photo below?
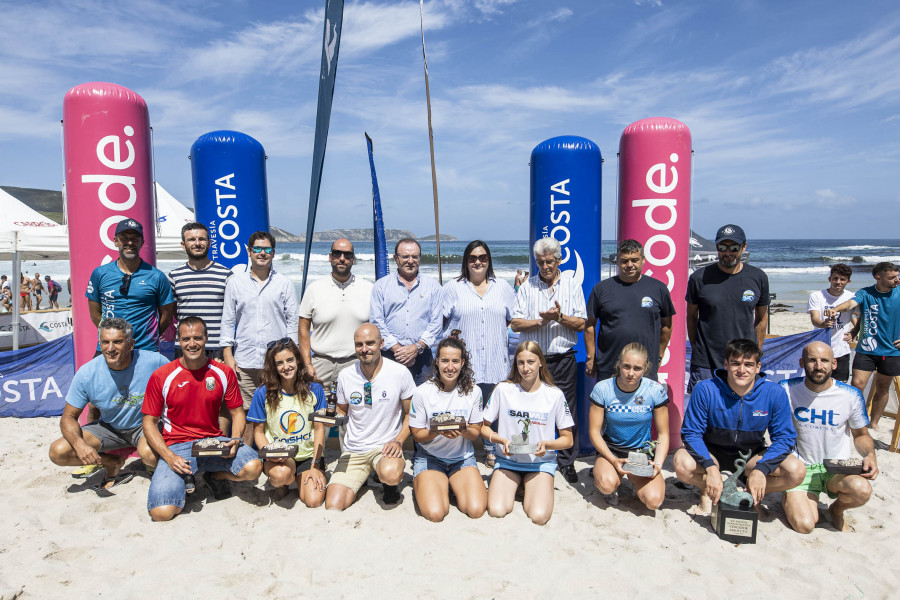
point(827, 415)
point(375, 395)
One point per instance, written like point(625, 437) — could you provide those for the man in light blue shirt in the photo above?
point(406, 308)
point(260, 307)
point(114, 383)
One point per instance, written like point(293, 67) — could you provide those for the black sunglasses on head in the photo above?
point(283, 341)
point(126, 284)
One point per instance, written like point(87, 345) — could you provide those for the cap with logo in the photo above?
point(129, 224)
point(731, 232)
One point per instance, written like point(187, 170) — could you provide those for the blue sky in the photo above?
point(793, 106)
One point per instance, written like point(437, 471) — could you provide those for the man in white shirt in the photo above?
point(550, 310)
point(829, 417)
point(844, 326)
point(375, 395)
point(331, 310)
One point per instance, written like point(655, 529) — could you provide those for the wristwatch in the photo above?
point(419, 349)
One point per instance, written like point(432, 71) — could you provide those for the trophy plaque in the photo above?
point(845, 466)
point(519, 443)
point(320, 416)
point(278, 450)
point(638, 464)
point(210, 447)
point(446, 421)
point(734, 519)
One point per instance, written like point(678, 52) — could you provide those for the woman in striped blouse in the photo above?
point(480, 306)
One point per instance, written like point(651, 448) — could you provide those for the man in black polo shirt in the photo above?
point(629, 308)
point(725, 301)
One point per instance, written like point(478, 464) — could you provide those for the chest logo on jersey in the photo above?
point(291, 422)
point(760, 413)
point(355, 398)
point(748, 296)
point(646, 302)
point(639, 400)
point(210, 383)
point(823, 417)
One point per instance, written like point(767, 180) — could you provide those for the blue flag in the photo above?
point(331, 43)
point(381, 258)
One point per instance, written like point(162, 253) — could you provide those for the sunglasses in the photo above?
point(283, 341)
point(348, 254)
point(478, 258)
point(126, 284)
point(728, 248)
point(259, 249)
point(367, 393)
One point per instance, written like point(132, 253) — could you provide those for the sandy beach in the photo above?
point(61, 540)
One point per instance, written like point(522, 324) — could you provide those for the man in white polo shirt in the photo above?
point(375, 395)
point(331, 310)
point(830, 418)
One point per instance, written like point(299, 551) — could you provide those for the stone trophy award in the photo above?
point(278, 450)
point(519, 443)
point(845, 466)
point(638, 463)
point(734, 519)
point(210, 447)
point(447, 421)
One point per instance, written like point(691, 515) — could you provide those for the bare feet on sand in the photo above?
point(837, 518)
point(703, 508)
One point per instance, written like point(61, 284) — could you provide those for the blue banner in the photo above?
point(34, 382)
point(781, 355)
point(381, 258)
point(331, 43)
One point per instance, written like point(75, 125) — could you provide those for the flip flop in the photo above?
point(119, 479)
point(84, 471)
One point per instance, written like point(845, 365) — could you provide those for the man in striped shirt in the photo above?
point(199, 286)
point(550, 310)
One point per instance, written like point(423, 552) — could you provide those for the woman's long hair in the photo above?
point(272, 380)
point(464, 275)
point(466, 381)
point(543, 372)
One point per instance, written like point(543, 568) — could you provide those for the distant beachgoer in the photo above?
point(829, 417)
point(278, 413)
point(845, 326)
point(717, 429)
point(199, 285)
point(187, 394)
point(331, 310)
point(550, 310)
point(406, 308)
point(624, 406)
point(624, 309)
point(527, 405)
point(25, 294)
point(520, 278)
point(113, 382)
point(878, 349)
point(375, 394)
point(726, 301)
point(480, 306)
point(53, 289)
point(37, 288)
point(260, 305)
point(5, 293)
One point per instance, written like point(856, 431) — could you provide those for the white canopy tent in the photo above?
point(25, 234)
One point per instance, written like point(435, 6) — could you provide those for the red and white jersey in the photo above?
point(187, 402)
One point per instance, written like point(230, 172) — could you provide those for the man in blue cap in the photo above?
point(726, 301)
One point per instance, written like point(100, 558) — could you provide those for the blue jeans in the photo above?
point(167, 486)
point(422, 461)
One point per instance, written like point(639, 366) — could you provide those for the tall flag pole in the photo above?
point(437, 229)
point(331, 43)
point(381, 259)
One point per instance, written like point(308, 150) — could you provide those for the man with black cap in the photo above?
point(725, 301)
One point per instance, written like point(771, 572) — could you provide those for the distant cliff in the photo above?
point(354, 235)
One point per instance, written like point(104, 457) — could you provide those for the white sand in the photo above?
point(61, 540)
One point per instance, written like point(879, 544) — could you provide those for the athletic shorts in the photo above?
point(842, 371)
point(423, 461)
point(816, 481)
point(353, 468)
point(304, 465)
point(623, 452)
point(884, 365)
point(114, 439)
point(53, 297)
point(548, 467)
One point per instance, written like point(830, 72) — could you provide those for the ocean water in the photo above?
point(795, 268)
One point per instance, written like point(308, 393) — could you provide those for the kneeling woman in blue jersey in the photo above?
point(280, 409)
point(529, 406)
point(447, 458)
point(623, 408)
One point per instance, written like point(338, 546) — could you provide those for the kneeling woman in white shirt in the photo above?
point(529, 405)
point(447, 458)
